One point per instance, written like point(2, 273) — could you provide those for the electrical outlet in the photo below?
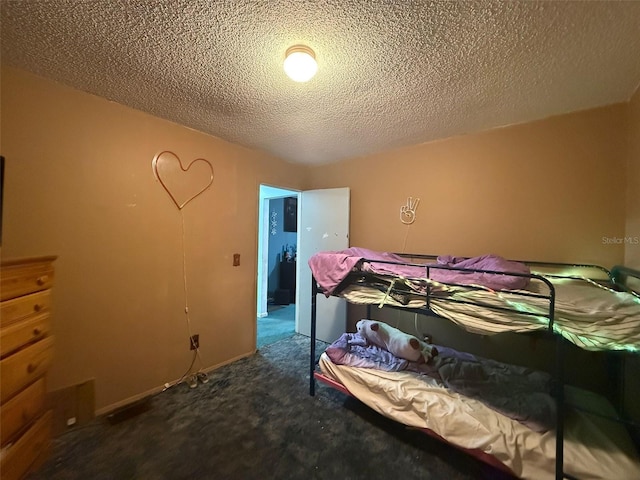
point(194, 342)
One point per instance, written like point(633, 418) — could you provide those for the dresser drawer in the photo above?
point(16, 309)
point(23, 367)
point(21, 410)
point(29, 450)
point(25, 276)
point(21, 333)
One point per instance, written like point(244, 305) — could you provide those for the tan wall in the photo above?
point(632, 247)
point(79, 184)
point(548, 190)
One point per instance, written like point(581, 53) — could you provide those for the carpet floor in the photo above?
point(254, 419)
point(280, 323)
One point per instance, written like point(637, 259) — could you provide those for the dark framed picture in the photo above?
point(290, 223)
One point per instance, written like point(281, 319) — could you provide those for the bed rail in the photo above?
point(429, 294)
point(532, 263)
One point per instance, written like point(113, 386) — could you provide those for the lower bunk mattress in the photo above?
point(594, 447)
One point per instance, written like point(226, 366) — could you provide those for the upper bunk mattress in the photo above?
point(592, 317)
point(486, 295)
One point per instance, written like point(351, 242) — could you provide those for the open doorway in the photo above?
point(277, 258)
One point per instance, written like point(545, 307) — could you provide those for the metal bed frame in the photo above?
point(616, 278)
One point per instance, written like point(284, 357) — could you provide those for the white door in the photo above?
point(323, 224)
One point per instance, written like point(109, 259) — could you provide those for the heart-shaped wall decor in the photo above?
point(183, 184)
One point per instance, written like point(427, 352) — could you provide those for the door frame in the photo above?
point(266, 193)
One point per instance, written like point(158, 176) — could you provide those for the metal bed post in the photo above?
point(559, 387)
point(312, 355)
point(559, 408)
point(428, 290)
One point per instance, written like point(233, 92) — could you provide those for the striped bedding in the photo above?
point(592, 317)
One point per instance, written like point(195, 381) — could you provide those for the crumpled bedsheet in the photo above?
point(519, 393)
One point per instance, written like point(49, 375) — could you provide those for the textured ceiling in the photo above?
point(391, 73)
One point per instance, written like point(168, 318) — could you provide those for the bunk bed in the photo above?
point(586, 305)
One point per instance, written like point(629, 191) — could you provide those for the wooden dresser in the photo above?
point(26, 350)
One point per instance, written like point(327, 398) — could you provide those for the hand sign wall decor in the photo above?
point(182, 184)
point(408, 211)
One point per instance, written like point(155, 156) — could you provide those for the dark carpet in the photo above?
point(254, 419)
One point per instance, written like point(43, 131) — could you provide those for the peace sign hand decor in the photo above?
point(408, 211)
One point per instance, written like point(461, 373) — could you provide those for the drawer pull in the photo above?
point(36, 332)
point(37, 307)
point(32, 368)
point(42, 280)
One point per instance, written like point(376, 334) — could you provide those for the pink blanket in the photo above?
point(330, 268)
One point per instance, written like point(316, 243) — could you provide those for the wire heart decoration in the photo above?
point(180, 192)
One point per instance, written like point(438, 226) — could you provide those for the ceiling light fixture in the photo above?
point(300, 63)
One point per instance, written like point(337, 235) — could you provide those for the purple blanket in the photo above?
point(353, 349)
point(330, 268)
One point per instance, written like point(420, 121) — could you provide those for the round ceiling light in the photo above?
point(300, 63)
